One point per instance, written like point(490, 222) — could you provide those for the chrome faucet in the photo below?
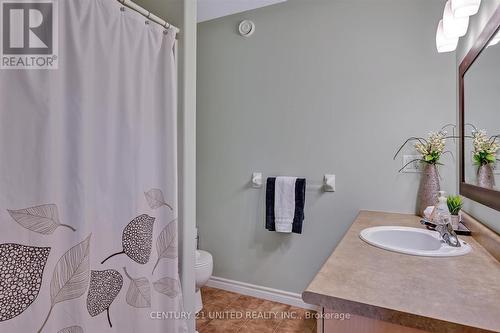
point(448, 235)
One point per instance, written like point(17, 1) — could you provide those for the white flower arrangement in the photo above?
point(431, 148)
point(485, 148)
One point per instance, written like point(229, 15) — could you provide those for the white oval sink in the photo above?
point(414, 241)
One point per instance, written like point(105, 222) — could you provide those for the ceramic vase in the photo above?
point(485, 177)
point(429, 188)
point(455, 221)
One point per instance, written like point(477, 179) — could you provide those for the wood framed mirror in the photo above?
point(479, 117)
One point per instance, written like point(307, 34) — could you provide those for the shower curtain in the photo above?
point(88, 180)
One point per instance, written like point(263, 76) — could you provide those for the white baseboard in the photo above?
point(253, 290)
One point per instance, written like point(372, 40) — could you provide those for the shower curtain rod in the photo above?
point(150, 16)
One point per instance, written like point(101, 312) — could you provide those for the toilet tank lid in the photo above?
point(203, 258)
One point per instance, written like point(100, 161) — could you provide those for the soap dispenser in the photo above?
point(442, 215)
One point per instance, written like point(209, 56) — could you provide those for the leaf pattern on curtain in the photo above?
point(104, 287)
point(71, 275)
point(168, 286)
point(166, 243)
point(21, 273)
point(156, 199)
point(71, 329)
point(137, 239)
point(43, 219)
point(139, 292)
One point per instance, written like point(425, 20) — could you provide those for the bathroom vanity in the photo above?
point(363, 288)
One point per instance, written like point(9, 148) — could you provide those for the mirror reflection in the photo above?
point(482, 118)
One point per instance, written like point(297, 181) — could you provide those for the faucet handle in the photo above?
point(448, 234)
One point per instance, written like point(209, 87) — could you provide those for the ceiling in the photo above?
point(211, 9)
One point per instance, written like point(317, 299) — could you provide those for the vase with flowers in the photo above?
point(431, 150)
point(484, 155)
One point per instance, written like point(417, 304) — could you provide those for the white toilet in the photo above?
point(203, 270)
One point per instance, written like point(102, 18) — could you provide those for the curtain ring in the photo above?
point(167, 27)
point(122, 8)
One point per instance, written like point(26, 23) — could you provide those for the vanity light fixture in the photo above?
point(494, 40)
point(444, 43)
point(464, 8)
point(454, 26)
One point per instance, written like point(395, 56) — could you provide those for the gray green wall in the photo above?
point(488, 216)
point(322, 86)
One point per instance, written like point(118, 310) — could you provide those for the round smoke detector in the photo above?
point(246, 28)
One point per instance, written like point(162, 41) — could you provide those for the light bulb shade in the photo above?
point(465, 8)
point(443, 43)
point(454, 26)
point(495, 39)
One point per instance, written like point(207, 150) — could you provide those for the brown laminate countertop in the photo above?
point(452, 294)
